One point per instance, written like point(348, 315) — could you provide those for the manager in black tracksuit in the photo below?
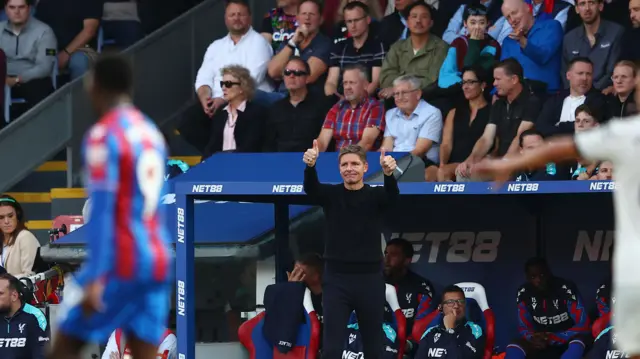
point(353, 277)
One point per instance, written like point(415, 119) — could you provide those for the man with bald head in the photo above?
point(536, 44)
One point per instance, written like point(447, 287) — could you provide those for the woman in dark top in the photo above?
point(464, 124)
point(239, 126)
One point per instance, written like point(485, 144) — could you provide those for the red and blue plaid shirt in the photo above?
point(348, 123)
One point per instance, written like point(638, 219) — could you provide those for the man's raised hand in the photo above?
point(388, 163)
point(311, 155)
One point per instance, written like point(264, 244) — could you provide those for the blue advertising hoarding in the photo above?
point(461, 232)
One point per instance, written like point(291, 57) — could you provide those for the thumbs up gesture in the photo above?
point(311, 156)
point(388, 163)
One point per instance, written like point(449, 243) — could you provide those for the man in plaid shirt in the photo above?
point(356, 119)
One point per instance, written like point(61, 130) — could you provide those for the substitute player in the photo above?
point(125, 280)
point(619, 142)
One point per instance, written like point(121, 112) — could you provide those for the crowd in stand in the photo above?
point(450, 83)
point(44, 43)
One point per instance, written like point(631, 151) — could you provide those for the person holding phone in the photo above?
point(454, 336)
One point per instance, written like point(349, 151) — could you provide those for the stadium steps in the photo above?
point(43, 196)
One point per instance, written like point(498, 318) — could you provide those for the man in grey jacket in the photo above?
point(30, 47)
point(598, 39)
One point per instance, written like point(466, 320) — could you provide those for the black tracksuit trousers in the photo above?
point(343, 293)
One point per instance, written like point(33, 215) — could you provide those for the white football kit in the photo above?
point(619, 142)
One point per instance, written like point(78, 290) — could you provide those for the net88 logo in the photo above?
point(457, 247)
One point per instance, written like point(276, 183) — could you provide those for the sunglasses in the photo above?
point(296, 73)
point(228, 84)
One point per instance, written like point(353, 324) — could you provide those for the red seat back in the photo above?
point(401, 322)
point(475, 292)
point(307, 343)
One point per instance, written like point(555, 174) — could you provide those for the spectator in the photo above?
point(455, 336)
point(621, 102)
point(605, 171)
point(280, 23)
point(476, 48)
point(242, 46)
point(421, 54)
point(358, 119)
point(536, 44)
point(117, 346)
point(342, 32)
point(532, 139)
point(394, 27)
point(630, 51)
point(309, 269)
point(19, 247)
point(586, 119)
point(121, 23)
point(414, 125)
point(560, 10)
point(456, 27)
point(27, 332)
point(558, 114)
point(29, 60)
point(415, 293)
point(295, 121)
point(75, 24)
point(307, 43)
point(598, 39)
point(514, 112)
point(240, 126)
point(464, 124)
point(361, 48)
point(552, 319)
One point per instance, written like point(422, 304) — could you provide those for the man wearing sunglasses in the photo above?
point(454, 336)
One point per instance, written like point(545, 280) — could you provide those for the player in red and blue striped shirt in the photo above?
point(125, 282)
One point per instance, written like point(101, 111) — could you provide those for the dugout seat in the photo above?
point(307, 343)
point(478, 311)
point(400, 321)
point(600, 324)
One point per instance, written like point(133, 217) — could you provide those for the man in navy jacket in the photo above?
point(454, 336)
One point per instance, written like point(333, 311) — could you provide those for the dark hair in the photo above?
point(356, 150)
point(529, 132)
point(414, 5)
point(474, 9)
point(28, 2)
point(357, 5)
point(405, 246)
point(536, 262)
point(318, 4)
point(238, 2)
point(452, 288)
point(313, 260)
point(511, 67)
point(478, 70)
point(582, 59)
point(113, 74)
point(593, 112)
point(300, 60)
point(8, 201)
point(14, 283)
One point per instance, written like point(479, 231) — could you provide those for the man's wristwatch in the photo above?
point(450, 330)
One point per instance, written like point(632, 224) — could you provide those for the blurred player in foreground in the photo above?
point(125, 282)
point(619, 142)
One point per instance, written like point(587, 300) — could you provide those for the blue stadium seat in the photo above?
point(306, 346)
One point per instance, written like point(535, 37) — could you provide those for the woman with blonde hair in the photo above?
point(19, 245)
point(238, 126)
